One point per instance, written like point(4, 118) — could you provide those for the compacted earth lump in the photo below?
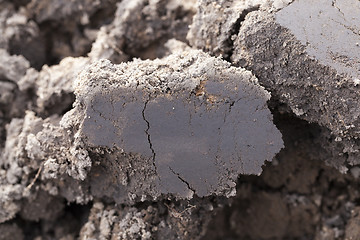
point(165, 119)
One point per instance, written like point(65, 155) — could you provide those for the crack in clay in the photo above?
point(105, 118)
point(148, 136)
point(348, 28)
point(236, 29)
point(100, 114)
point(321, 39)
point(232, 103)
point(182, 180)
point(333, 4)
point(185, 130)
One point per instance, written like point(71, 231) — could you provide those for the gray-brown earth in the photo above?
point(135, 119)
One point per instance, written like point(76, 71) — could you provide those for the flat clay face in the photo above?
point(329, 29)
point(198, 141)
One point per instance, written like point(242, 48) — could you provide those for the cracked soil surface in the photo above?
point(165, 119)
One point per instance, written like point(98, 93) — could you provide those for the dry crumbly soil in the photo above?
point(165, 119)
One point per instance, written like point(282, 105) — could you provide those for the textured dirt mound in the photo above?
point(190, 119)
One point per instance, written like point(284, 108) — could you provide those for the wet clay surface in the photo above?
point(329, 29)
point(198, 141)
